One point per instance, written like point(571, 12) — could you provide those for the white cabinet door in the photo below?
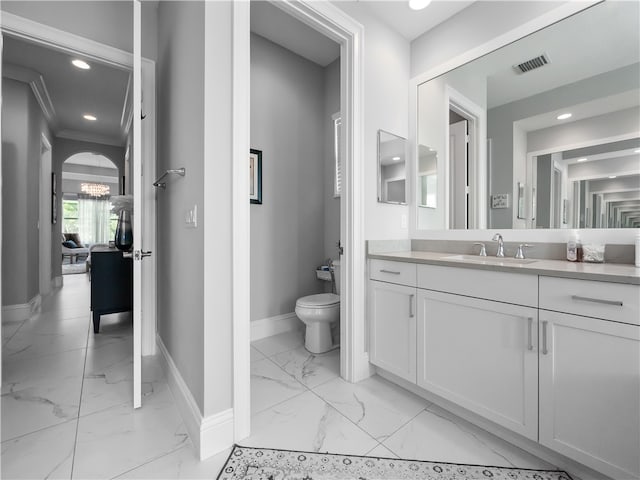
point(590, 392)
point(392, 343)
point(482, 355)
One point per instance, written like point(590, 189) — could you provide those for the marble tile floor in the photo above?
point(66, 408)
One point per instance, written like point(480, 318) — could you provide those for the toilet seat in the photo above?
point(321, 300)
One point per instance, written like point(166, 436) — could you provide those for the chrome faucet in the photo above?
point(498, 238)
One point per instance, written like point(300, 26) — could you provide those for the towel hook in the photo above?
point(176, 171)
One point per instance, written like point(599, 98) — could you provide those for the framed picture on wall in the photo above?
point(54, 199)
point(255, 176)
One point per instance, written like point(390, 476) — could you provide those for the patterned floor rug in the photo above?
point(245, 463)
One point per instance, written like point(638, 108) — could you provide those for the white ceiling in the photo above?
point(100, 91)
point(411, 23)
point(272, 23)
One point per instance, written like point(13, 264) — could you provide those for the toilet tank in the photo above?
point(336, 273)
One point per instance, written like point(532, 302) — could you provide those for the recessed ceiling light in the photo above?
point(81, 64)
point(612, 176)
point(91, 118)
point(418, 4)
point(582, 159)
point(564, 116)
point(395, 159)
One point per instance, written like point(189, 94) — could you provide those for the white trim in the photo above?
point(241, 295)
point(210, 435)
point(21, 311)
point(477, 116)
point(56, 282)
point(334, 23)
point(90, 137)
point(267, 327)
point(60, 40)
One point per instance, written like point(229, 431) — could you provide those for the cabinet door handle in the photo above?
point(390, 271)
point(530, 329)
point(617, 303)
point(544, 338)
point(411, 315)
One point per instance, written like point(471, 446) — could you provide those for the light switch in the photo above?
point(403, 221)
point(191, 217)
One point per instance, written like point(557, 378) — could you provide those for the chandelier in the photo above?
point(95, 189)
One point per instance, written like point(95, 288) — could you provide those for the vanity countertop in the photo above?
point(606, 272)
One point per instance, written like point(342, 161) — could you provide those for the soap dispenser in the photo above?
point(572, 247)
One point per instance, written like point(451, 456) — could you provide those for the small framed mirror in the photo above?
point(392, 168)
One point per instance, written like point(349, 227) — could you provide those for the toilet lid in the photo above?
point(319, 301)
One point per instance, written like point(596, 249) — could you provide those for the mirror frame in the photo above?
point(609, 235)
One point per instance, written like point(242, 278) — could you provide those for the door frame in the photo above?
point(46, 35)
point(476, 118)
point(337, 25)
point(44, 222)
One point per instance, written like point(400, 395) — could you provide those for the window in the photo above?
point(69, 216)
point(337, 142)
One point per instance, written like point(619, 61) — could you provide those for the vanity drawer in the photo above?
point(611, 301)
point(516, 288)
point(393, 272)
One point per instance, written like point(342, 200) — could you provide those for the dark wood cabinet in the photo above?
point(111, 283)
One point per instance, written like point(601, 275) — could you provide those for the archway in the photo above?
point(89, 180)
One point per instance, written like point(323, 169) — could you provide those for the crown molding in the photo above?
point(38, 86)
point(90, 137)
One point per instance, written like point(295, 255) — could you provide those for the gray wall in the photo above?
point(287, 230)
point(180, 136)
point(543, 191)
point(331, 204)
point(23, 124)
point(108, 22)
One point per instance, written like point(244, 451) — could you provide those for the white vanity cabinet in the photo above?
point(392, 314)
point(556, 360)
point(590, 373)
point(481, 355)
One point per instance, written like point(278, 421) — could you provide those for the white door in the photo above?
point(459, 168)
point(481, 355)
point(590, 392)
point(392, 344)
point(137, 191)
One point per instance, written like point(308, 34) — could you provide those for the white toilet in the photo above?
point(318, 312)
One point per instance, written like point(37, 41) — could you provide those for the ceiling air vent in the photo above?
point(532, 64)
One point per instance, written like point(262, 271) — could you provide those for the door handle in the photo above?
point(616, 303)
point(140, 254)
point(544, 338)
point(411, 314)
point(530, 328)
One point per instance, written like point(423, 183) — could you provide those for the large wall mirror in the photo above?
point(542, 133)
point(392, 168)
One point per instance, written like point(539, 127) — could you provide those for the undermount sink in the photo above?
point(490, 260)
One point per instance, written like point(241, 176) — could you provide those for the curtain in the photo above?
point(94, 215)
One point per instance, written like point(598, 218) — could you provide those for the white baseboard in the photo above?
point(56, 282)
point(210, 435)
point(266, 327)
point(22, 311)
